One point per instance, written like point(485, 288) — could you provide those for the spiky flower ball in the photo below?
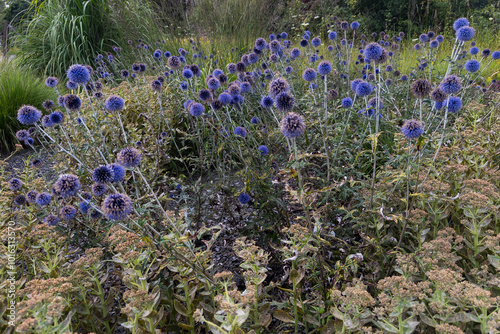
point(72, 102)
point(263, 150)
point(225, 98)
point(213, 84)
point(472, 65)
point(56, 117)
point(51, 220)
point(28, 115)
point(51, 82)
point(48, 104)
point(292, 125)
point(129, 157)
point(278, 86)
point(284, 102)
point(174, 62)
point(196, 109)
point(67, 185)
point(240, 131)
point(156, 85)
point(495, 55)
point(450, 84)
point(459, 23)
point(454, 104)
point(465, 34)
point(438, 95)
point(31, 196)
point(68, 212)
point(78, 74)
point(15, 184)
point(243, 198)
point(20, 200)
point(98, 189)
point(116, 206)
point(421, 88)
point(347, 102)
point(43, 199)
point(22, 135)
point(412, 129)
point(363, 89)
point(372, 52)
point(114, 103)
point(309, 74)
point(333, 94)
point(267, 102)
point(372, 103)
point(103, 174)
point(325, 67)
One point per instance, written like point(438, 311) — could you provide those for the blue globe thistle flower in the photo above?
point(278, 86)
point(292, 125)
point(438, 105)
point(51, 82)
point(196, 109)
point(56, 117)
point(116, 206)
point(29, 141)
point(156, 85)
point(114, 103)
point(72, 102)
point(243, 198)
point(372, 52)
point(347, 102)
point(20, 200)
point(438, 95)
point(363, 89)
point(423, 38)
point(485, 53)
point(309, 74)
point(245, 87)
point(217, 72)
point(15, 184)
point(412, 129)
point(187, 73)
point(22, 135)
point(84, 207)
point(43, 199)
point(103, 174)
point(60, 100)
point(216, 105)
point(78, 74)
point(237, 100)
point(316, 42)
point(225, 98)
point(472, 65)
point(255, 120)
point(272, 37)
point(354, 25)
point(204, 95)
point(355, 83)
point(67, 185)
point(143, 67)
point(118, 172)
point(303, 43)
point(440, 38)
point(288, 69)
point(183, 85)
point(31, 196)
point(129, 157)
point(71, 85)
point(157, 54)
point(454, 104)
point(372, 103)
point(295, 53)
point(231, 68)
point(404, 77)
point(313, 85)
point(213, 84)
point(417, 46)
point(267, 102)
point(98, 189)
point(174, 62)
point(325, 67)
point(234, 89)
point(86, 196)
point(434, 43)
point(465, 34)
point(136, 67)
point(98, 95)
point(167, 54)
point(274, 46)
point(344, 25)
point(240, 131)
point(459, 23)
point(133, 75)
point(260, 43)
point(47, 122)
point(263, 150)
point(68, 212)
point(450, 84)
point(28, 115)
point(51, 220)
point(284, 35)
point(330, 48)
point(495, 55)
point(284, 102)
point(421, 88)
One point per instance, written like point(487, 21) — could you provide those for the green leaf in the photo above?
point(283, 316)
point(180, 308)
point(494, 260)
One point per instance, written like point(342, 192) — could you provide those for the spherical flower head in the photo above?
point(225, 98)
point(316, 42)
point(187, 73)
point(465, 34)
point(267, 102)
point(48, 104)
point(421, 88)
point(51, 220)
point(245, 87)
point(278, 86)
point(196, 109)
point(231, 68)
point(438, 105)
point(303, 43)
point(31, 196)
point(434, 44)
point(243, 198)
point(260, 43)
point(22, 135)
point(263, 150)
point(57, 117)
point(72, 102)
point(51, 82)
point(417, 46)
point(68, 212)
point(103, 174)
point(344, 25)
point(43, 199)
point(363, 89)
point(129, 157)
point(404, 77)
point(124, 74)
point(255, 120)
point(440, 38)
point(174, 62)
point(495, 55)
point(450, 84)
point(213, 83)
point(19, 200)
point(347, 102)
point(116, 206)
point(325, 67)
point(205, 94)
point(292, 125)
point(372, 51)
point(485, 53)
point(84, 207)
point(143, 68)
point(240, 131)
point(354, 25)
point(355, 83)
point(157, 54)
point(412, 129)
point(67, 185)
point(472, 65)
point(114, 103)
point(156, 85)
point(454, 104)
point(240, 67)
point(372, 103)
point(99, 189)
point(28, 115)
point(15, 184)
point(309, 74)
point(438, 95)
point(274, 46)
point(118, 172)
point(284, 102)
point(459, 23)
point(136, 67)
point(295, 53)
point(78, 74)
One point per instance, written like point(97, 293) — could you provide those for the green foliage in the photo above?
point(18, 86)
